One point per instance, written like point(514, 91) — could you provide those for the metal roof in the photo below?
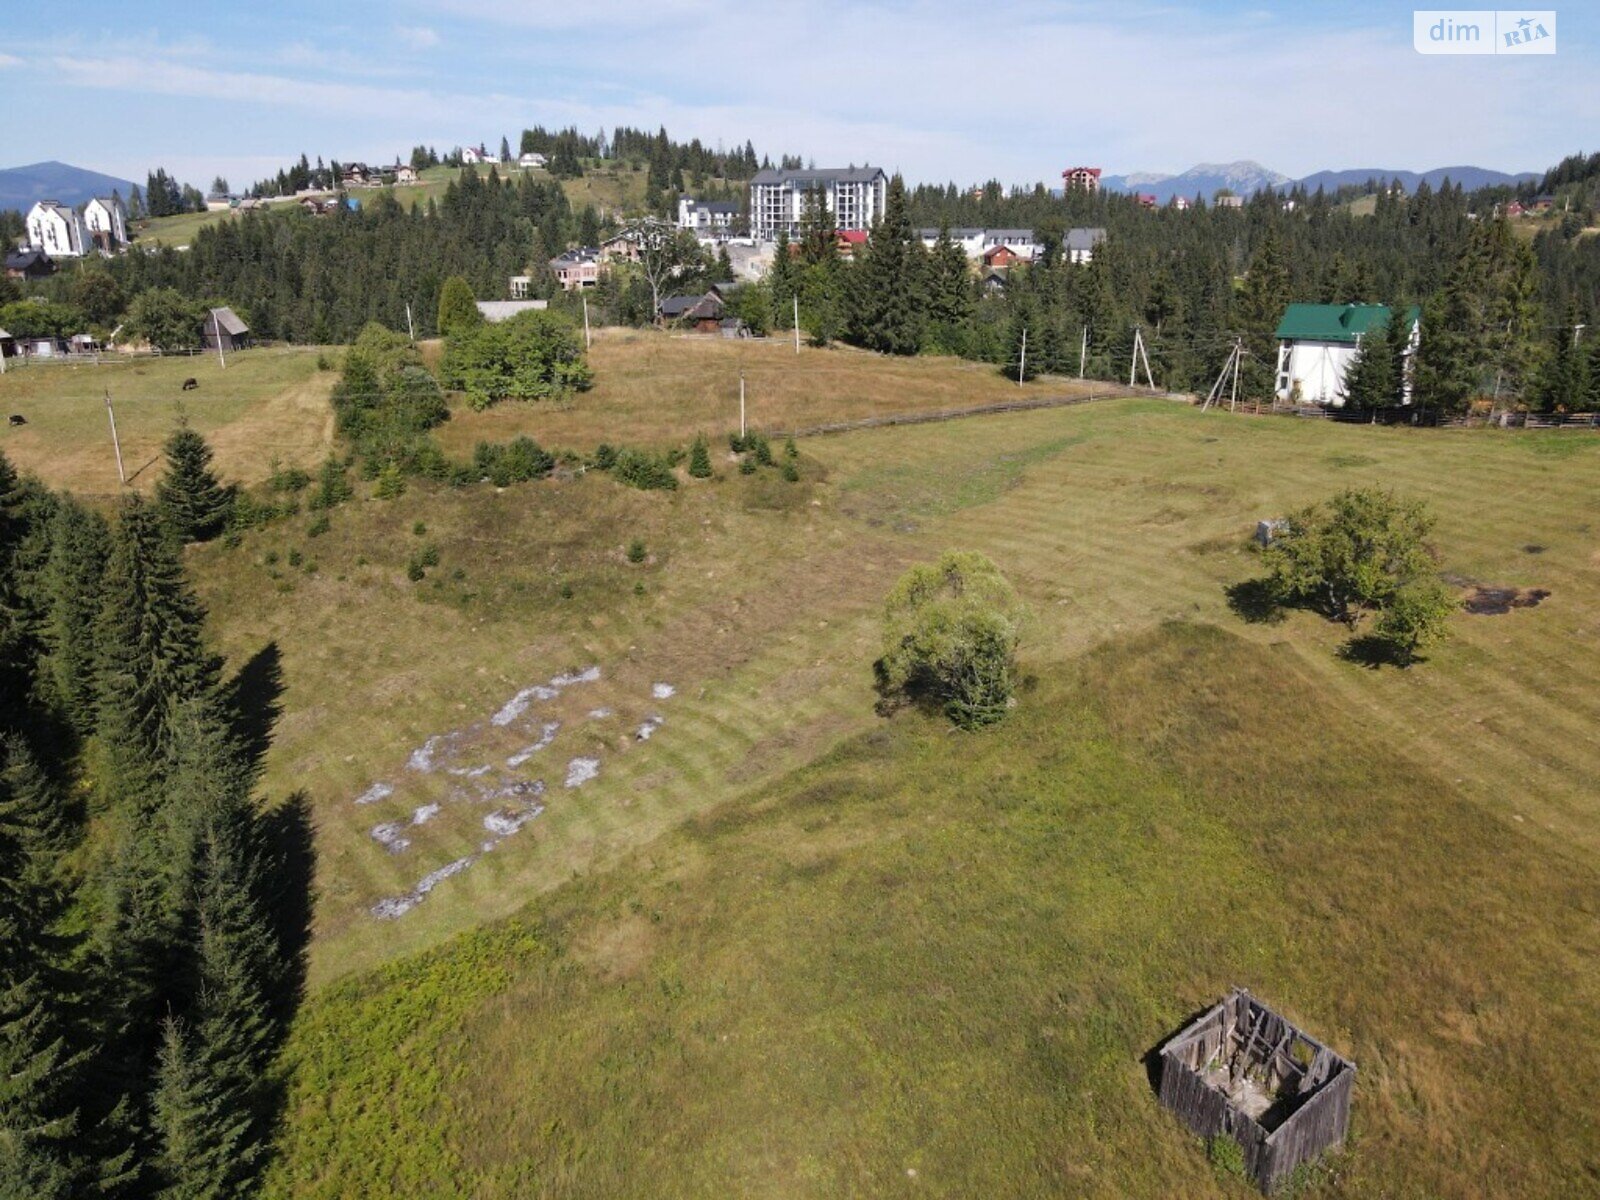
point(228, 321)
point(818, 175)
point(1336, 322)
point(1084, 238)
point(495, 311)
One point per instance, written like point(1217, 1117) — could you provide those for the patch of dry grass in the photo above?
point(266, 404)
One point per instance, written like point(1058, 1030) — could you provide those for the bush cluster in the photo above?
point(512, 462)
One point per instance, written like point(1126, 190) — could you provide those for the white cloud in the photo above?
point(10, 60)
point(418, 37)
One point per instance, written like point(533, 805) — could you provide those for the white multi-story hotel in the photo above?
point(855, 196)
point(58, 230)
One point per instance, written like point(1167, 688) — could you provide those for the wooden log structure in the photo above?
point(1242, 1071)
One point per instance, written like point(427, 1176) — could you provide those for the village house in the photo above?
point(28, 263)
point(849, 242)
point(1229, 201)
point(530, 160)
point(854, 195)
point(623, 246)
point(707, 216)
point(106, 220)
point(1081, 179)
point(57, 230)
point(577, 269)
point(969, 241)
point(703, 313)
point(519, 286)
point(1078, 246)
point(1000, 256)
point(1318, 342)
point(480, 154)
point(405, 174)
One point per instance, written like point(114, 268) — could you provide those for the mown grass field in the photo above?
point(265, 404)
point(179, 229)
point(786, 946)
point(611, 188)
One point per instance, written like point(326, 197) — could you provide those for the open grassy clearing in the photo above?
point(611, 188)
point(927, 952)
point(266, 404)
point(178, 229)
point(654, 388)
point(932, 964)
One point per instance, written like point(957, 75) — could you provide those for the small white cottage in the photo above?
point(1318, 342)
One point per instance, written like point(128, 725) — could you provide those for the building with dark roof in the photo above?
point(854, 195)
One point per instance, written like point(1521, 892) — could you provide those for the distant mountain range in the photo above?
point(1245, 178)
point(21, 187)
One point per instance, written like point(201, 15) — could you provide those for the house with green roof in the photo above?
point(1318, 342)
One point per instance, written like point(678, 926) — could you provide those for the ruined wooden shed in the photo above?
point(1242, 1071)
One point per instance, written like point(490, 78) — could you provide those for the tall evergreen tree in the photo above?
point(37, 1127)
point(1369, 380)
point(458, 311)
point(73, 594)
point(194, 505)
point(784, 280)
point(152, 658)
point(890, 308)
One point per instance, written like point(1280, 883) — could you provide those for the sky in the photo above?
point(938, 89)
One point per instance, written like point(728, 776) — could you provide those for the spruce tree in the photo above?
point(197, 1132)
point(458, 310)
point(700, 458)
point(151, 656)
point(1369, 379)
point(194, 505)
point(784, 280)
point(889, 304)
point(950, 301)
point(37, 1126)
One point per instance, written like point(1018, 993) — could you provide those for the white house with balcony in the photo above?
point(1318, 342)
point(57, 230)
point(707, 217)
point(854, 195)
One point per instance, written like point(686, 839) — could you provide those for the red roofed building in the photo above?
point(1147, 199)
point(1081, 179)
point(850, 240)
point(1000, 256)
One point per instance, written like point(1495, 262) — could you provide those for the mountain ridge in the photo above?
point(1246, 177)
point(22, 187)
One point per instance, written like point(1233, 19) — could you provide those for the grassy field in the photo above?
point(178, 230)
point(784, 946)
point(610, 188)
point(660, 389)
point(266, 404)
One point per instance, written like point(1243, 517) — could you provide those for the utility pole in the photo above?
point(1238, 358)
point(797, 322)
point(587, 339)
point(1144, 353)
point(1022, 361)
point(410, 328)
point(741, 407)
point(216, 325)
point(117, 444)
point(1083, 352)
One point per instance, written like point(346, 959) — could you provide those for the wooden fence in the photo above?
point(980, 410)
point(1309, 1086)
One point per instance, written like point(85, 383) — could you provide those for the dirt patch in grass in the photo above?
point(1497, 601)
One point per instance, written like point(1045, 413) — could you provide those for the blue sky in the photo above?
point(1012, 89)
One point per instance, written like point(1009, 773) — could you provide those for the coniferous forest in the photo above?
point(1500, 307)
point(151, 915)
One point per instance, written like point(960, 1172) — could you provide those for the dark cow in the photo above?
point(190, 384)
point(17, 419)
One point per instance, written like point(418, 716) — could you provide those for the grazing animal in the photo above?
point(17, 419)
point(190, 384)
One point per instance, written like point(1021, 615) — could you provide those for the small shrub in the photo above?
point(636, 550)
point(700, 458)
point(515, 462)
point(605, 456)
point(790, 450)
point(391, 484)
point(319, 526)
point(791, 472)
point(762, 448)
point(287, 479)
point(747, 466)
point(428, 556)
point(332, 486)
point(565, 590)
point(1226, 1156)
point(736, 443)
point(640, 469)
point(295, 558)
point(420, 528)
point(270, 558)
point(638, 588)
point(415, 571)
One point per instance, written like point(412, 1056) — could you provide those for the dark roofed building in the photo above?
point(855, 195)
point(29, 264)
point(224, 328)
